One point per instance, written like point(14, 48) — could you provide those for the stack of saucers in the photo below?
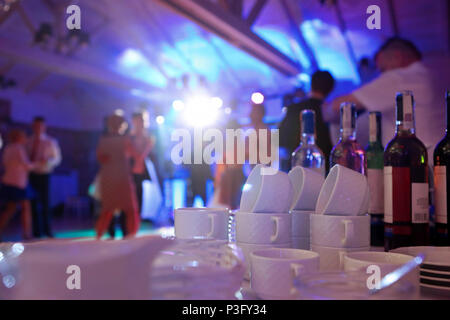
point(263, 220)
point(306, 184)
point(434, 271)
point(340, 223)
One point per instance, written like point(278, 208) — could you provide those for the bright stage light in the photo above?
point(227, 110)
point(160, 120)
point(119, 112)
point(216, 102)
point(257, 98)
point(178, 105)
point(200, 111)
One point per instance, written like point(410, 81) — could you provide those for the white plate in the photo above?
point(436, 257)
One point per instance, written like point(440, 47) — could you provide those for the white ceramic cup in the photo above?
point(340, 231)
point(259, 228)
point(248, 248)
point(301, 223)
point(266, 191)
point(306, 184)
point(301, 243)
point(273, 271)
point(206, 223)
point(344, 192)
point(386, 261)
point(331, 259)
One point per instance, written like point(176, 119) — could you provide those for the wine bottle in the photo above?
point(374, 155)
point(308, 154)
point(441, 182)
point(406, 206)
point(348, 152)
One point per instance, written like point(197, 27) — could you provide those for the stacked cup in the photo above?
point(263, 220)
point(340, 223)
point(306, 184)
point(201, 223)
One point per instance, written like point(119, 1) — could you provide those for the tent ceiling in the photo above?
point(155, 47)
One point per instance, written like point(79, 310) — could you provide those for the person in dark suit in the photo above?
point(322, 83)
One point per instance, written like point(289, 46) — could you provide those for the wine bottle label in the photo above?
point(376, 190)
point(440, 193)
point(419, 203)
point(397, 194)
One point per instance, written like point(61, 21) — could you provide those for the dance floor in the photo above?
point(68, 227)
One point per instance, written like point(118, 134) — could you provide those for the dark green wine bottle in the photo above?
point(375, 164)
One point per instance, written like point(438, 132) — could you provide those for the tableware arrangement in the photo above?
point(340, 223)
point(273, 271)
point(263, 220)
point(208, 223)
point(306, 184)
point(434, 271)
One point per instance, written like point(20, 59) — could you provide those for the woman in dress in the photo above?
point(116, 185)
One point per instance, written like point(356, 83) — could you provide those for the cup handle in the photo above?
point(211, 232)
point(348, 231)
point(274, 237)
point(342, 255)
point(296, 270)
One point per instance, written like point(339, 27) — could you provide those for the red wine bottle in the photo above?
point(441, 184)
point(406, 206)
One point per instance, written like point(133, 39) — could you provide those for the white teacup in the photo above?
point(248, 248)
point(306, 184)
point(259, 228)
point(340, 231)
point(266, 191)
point(344, 192)
point(331, 259)
point(206, 223)
point(301, 223)
point(273, 271)
point(386, 261)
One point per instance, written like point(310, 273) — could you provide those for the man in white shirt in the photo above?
point(402, 68)
point(45, 151)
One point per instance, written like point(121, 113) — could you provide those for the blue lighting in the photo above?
point(132, 63)
point(329, 47)
point(284, 43)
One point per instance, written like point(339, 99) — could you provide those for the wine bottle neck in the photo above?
point(309, 139)
point(375, 127)
point(348, 121)
point(405, 124)
point(307, 121)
